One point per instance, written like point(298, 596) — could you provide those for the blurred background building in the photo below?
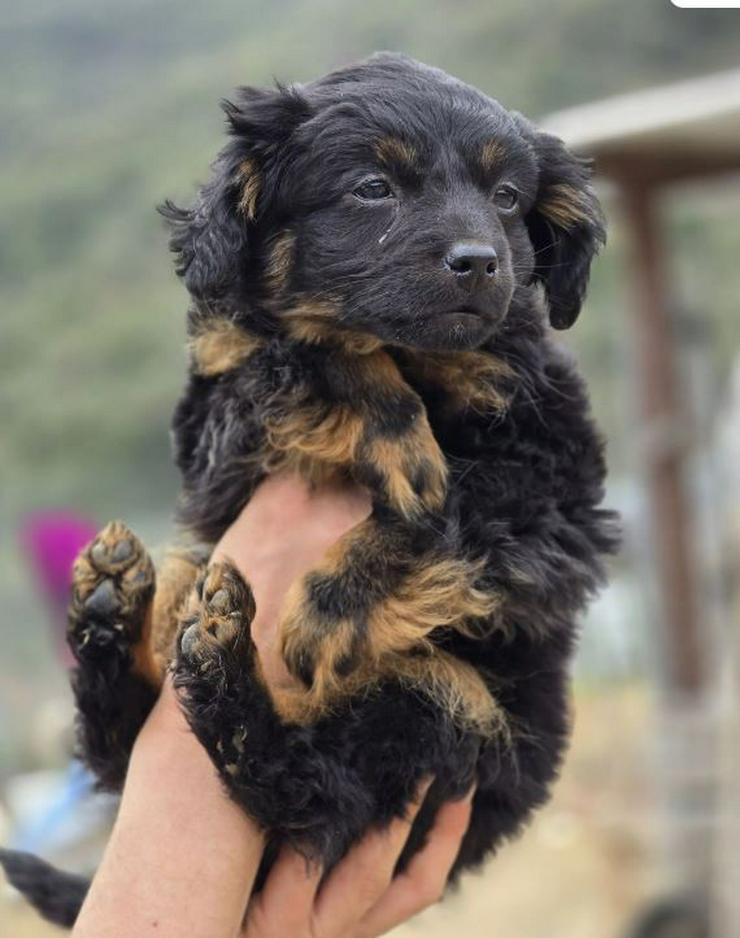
point(108, 108)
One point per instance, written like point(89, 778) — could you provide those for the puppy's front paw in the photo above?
point(113, 583)
point(220, 613)
point(213, 670)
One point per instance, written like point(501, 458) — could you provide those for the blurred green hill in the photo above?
point(109, 107)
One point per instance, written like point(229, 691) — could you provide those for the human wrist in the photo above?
point(166, 735)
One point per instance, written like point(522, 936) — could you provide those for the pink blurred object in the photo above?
point(51, 540)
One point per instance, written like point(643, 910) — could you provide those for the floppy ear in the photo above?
point(566, 225)
point(212, 240)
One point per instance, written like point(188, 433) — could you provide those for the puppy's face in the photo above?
point(411, 215)
point(391, 200)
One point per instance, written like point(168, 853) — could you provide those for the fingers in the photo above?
point(423, 882)
point(360, 898)
point(284, 907)
point(358, 882)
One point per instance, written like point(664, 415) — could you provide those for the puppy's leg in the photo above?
point(113, 686)
point(317, 787)
point(119, 638)
point(383, 589)
point(271, 769)
point(374, 611)
point(366, 422)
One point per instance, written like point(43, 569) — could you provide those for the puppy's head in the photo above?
point(390, 200)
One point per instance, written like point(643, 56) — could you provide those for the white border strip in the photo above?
point(708, 4)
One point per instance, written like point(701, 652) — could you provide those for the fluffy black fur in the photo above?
point(366, 227)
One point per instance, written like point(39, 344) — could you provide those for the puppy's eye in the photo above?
point(373, 189)
point(506, 197)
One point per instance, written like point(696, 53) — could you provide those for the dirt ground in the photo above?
point(580, 870)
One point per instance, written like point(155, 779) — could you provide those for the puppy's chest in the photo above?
point(388, 418)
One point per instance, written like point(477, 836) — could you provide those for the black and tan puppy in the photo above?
point(372, 269)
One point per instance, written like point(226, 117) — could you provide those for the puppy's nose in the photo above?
point(472, 261)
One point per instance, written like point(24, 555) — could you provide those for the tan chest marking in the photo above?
point(316, 436)
point(475, 380)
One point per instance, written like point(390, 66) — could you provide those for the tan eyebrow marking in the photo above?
point(563, 205)
point(393, 150)
point(249, 175)
point(492, 155)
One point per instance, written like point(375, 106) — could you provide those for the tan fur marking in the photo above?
point(311, 321)
point(392, 150)
point(381, 371)
point(452, 684)
point(156, 646)
point(440, 594)
point(563, 205)
point(456, 687)
point(315, 438)
point(297, 632)
point(175, 578)
point(295, 705)
point(316, 433)
point(402, 458)
point(399, 461)
point(358, 343)
point(472, 379)
point(145, 662)
point(309, 330)
point(315, 323)
point(492, 155)
point(316, 332)
point(280, 262)
point(250, 178)
point(328, 646)
point(221, 346)
point(85, 577)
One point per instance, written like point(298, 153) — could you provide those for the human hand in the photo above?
point(282, 533)
point(360, 898)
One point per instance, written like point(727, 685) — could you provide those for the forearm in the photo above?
point(176, 844)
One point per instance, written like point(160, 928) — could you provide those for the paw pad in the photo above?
point(220, 613)
point(115, 549)
point(221, 602)
point(189, 639)
point(103, 601)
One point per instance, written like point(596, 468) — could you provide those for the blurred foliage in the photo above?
point(109, 107)
point(113, 107)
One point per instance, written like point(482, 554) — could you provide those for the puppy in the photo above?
point(373, 269)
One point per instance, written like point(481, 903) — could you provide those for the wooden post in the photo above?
point(684, 758)
point(668, 438)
